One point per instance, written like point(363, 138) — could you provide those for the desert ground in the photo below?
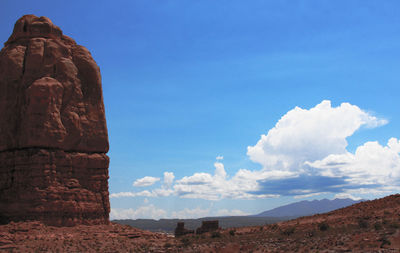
point(370, 226)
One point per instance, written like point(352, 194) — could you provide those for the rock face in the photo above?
point(53, 133)
point(207, 226)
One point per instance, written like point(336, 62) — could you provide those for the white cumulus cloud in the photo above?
point(371, 163)
point(132, 194)
point(145, 181)
point(168, 178)
point(307, 135)
point(150, 211)
point(194, 213)
point(346, 196)
point(234, 212)
point(303, 155)
point(144, 212)
point(219, 186)
point(198, 212)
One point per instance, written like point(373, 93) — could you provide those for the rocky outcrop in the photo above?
point(207, 226)
point(181, 230)
point(53, 133)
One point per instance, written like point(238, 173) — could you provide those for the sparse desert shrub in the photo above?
point(288, 231)
point(363, 223)
point(261, 228)
point(323, 226)
point(145, 247)
point(167, 245)
point(384, 241)
point(378, 226)
point(394, 225)
point(232, 232)
point(215, 234)
point(274, 226)
point(185, 241)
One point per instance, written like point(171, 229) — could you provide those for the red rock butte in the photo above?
point(53, 132)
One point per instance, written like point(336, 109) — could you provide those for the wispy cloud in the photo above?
point(220, 157)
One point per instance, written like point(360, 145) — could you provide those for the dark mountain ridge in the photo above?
point(283, 213)
point(306, 207)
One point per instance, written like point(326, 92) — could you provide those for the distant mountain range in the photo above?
point(287, 212)
point(169, 225)
point(306, 207)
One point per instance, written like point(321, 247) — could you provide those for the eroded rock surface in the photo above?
point(53, 133)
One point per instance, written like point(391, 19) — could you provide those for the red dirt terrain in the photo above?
point(371, 226)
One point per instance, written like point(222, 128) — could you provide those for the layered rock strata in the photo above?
point(53, 133)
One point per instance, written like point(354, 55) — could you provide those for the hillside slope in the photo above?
point(369, 226)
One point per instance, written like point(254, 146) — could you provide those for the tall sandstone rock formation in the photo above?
point(53, 133)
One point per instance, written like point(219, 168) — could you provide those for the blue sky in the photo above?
point(236, 107)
